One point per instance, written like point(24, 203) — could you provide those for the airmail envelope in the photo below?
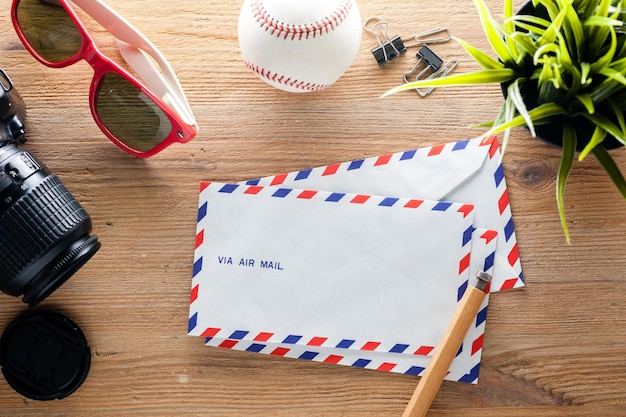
point(468, 171)
point(330, 268)
point(464, 368)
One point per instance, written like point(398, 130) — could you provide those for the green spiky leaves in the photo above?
point(562, 59)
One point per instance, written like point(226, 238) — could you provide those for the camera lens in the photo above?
point(44, 232)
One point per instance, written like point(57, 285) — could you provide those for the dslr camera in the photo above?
point(44, 232)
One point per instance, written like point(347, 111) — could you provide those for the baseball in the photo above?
point(299, 46)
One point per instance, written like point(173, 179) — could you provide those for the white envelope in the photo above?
point(468, 171)
point(464, 368)
point(326, 268)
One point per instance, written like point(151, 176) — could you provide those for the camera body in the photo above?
point(44, 231)
point(12, 112)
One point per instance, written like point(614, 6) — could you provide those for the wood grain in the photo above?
point(555, 348)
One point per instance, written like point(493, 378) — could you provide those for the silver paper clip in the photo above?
point(388, 48)
point(429, 37)
point(432, 65)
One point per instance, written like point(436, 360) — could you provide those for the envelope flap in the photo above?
point(435, 172)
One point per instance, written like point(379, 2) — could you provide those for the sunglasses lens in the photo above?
point(48, 29)
point(130, 115)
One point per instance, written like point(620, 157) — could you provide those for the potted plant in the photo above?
point(562, 68)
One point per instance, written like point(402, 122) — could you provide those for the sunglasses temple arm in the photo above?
point(132, 44)
point(144, 67)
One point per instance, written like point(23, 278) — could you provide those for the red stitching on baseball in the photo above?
point(299, 32)
point(280, 79)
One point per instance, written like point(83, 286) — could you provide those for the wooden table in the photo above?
point(555, 348)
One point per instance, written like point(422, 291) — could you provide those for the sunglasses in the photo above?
point(141, 114)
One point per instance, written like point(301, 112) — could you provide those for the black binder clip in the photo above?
point(388, 48)
point(429, 66)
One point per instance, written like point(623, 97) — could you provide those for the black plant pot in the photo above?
point(552, 132)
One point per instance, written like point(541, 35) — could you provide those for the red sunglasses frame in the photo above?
point(182, 132)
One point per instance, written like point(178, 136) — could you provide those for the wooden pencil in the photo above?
point(446, 350)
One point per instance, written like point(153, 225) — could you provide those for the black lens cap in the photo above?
point(44, 355)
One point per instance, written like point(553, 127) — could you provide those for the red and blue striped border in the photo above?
point(463, 210)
